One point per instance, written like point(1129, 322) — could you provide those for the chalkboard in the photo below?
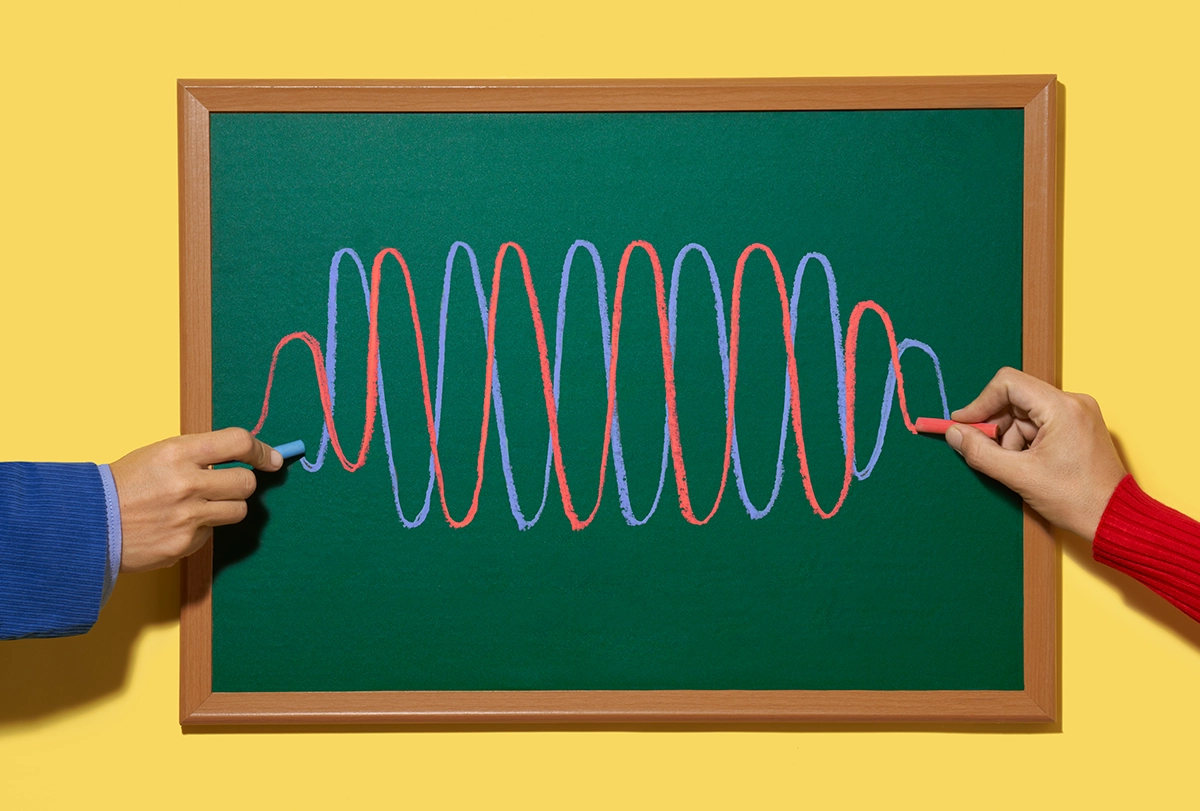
point(592, 523)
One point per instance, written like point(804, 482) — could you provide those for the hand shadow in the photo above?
point(237, 542)
point(41, 677)
point(1136, 596)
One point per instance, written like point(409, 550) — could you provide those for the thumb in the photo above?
point(984, 455)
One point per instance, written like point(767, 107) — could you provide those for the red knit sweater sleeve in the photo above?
point(1152, 543)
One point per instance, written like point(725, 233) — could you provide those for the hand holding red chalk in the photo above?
point(1054, 449)
point(931, 425)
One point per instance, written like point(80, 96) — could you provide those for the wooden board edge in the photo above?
point(195, 381)
point(1033, 81)
point(195, 268)
point(831, 93)
point(606, 707)
point(1040, 358)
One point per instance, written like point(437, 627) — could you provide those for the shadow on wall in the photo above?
point(1136, 596)
point(39, 677)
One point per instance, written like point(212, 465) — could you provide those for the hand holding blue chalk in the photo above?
point(289, 450)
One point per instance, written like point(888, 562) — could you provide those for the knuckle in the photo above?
point(190, 515)
point(187, 543)
point(174, 453)
point(240, 440)
point(246, 482)
point(198, 539)
point(1082, 406)
point(183, 545)
point(180, 488)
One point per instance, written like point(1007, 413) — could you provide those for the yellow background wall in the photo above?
point(89, 370)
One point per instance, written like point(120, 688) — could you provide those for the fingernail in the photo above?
point(276, 458)
point(954, 438)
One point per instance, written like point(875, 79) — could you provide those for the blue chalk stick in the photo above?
point(289, 449)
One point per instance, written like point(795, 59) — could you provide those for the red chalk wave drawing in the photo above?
point(324, 363)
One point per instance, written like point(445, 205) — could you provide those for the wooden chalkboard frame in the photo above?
point(1037, 95)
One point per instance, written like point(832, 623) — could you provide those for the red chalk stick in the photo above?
point(929, 425)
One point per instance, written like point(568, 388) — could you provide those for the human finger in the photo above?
point(200, 537)
point(220, 513)
point(235, 445)
point(1013, 439)
point(1003, 421)
point(991, 401)
point(234, 483)
point(1008, 389)
point(1028, 428)
point(986, 456)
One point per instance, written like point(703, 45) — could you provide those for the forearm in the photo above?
point(1152, 543)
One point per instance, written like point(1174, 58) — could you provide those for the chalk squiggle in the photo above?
point(325, 365)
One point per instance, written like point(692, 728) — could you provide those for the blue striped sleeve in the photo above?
point(53, 548)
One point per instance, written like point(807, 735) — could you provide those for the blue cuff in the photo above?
point(112, 507)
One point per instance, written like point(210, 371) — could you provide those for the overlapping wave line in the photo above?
point(844, 351)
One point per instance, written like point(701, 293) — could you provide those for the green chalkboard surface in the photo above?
point(915, 583)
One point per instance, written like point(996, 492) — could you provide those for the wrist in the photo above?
point(1101, 496)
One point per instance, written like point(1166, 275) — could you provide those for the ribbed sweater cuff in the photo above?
point(1152, 543)
point(112, 509)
